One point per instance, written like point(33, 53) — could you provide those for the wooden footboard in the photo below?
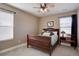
point(41, 42)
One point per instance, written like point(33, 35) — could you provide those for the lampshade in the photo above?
point(63, 32)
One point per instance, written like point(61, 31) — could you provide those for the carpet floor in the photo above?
point(59, 51)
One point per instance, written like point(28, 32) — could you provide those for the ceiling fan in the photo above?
point(44, 7)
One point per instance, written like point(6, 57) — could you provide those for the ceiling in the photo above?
point(58, 8)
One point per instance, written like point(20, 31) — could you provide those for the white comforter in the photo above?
point(54, 39)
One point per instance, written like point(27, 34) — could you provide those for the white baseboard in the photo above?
point(14, 47)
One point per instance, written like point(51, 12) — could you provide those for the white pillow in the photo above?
point(54, 38)
point(46, 34)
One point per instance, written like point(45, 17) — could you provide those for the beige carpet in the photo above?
point(59, 51)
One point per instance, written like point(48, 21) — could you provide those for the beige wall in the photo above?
point(43, 21)
point(23, 23)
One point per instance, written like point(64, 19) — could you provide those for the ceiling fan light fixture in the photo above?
point(43, 10)
point(44, 7)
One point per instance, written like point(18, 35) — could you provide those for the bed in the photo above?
point(44, 43)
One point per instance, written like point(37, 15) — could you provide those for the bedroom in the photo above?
point(28, 20)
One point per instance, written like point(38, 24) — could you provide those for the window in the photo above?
point(65, 25)
point(6, 25)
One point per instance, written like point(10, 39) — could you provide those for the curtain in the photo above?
point(74, 29)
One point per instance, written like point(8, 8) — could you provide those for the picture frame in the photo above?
point(50, 23)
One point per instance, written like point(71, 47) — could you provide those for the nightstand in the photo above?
point(67, 40)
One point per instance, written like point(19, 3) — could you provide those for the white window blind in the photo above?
point(65, 25)
point(6, 25)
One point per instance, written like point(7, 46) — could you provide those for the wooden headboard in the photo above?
point(52, 29)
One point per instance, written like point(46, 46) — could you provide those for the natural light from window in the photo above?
point(6, 25)
point(65, 25)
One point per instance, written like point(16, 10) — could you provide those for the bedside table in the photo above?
point(67, 40)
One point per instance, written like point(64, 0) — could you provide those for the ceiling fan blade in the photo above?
point(50, 5)
point(36, 7)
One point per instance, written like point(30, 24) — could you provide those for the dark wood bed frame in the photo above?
point(43, 42)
